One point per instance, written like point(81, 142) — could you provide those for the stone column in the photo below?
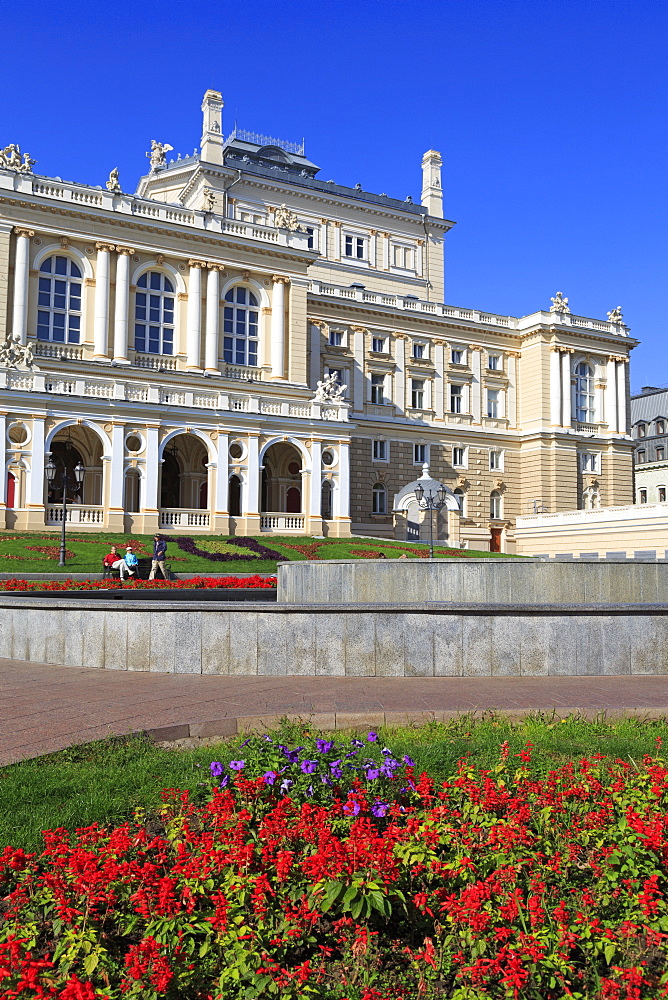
point(341, 510)
point(512, 414)
point(194, 316)
point(400, 371)
point(611, 395)
point(114, 469)
point(250, 493)
point(358, 368)
point(21, 279)
point(324, 244)
point(476, 387)
point(278, 326)
point(221, 510)
point(101, 315)
point(3, 461)
point(315, 518)
point(439, 379)
point(621, 397)
point(555, 387)
point(122, 306)
point(150, 497)
point(212, 321)
point(566, 393)
point(337, 241)
point(36, 485)
point(372, 247)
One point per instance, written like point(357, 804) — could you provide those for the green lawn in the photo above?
point(103, 782)
point(18, 553)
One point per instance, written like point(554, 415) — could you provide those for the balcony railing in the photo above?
point(74, 514)
point(174, 517)
point(282, 522)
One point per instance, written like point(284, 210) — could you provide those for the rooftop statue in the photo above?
point(14, 354)
point(157, 154)
point(11, 158)
point(329, 390)
point(615, 315)
point(209, 200)
point(113, 184)
point(559, 304)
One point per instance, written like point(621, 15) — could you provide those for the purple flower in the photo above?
point(325, 780)
point(372, 737)
point(408, 760)
point(216, 769)
point(335, 768)
point(246, 742)
point(225, 780)
point(352, 753)
point(324, 746)
point(351, 807)
point(356, 743)
point(309, 766)
point(372, 773)
point(386, 751)
point(267, 738)
point(269, 777)
point(292, 755)
point(237, 765)
point(379, 808)
point(309, 790)
point(286, 784)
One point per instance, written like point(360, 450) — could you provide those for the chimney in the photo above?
point(432, 193)
point(212, 127)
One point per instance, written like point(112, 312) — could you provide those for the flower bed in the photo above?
point(193, 583)
point(330, 871)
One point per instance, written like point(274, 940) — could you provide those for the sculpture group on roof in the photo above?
point(559, 304)
point(157, 154)
point(11, 158)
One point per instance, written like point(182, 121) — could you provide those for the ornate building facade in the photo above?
point(189, 344)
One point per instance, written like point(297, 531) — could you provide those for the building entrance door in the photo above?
point(495, 539)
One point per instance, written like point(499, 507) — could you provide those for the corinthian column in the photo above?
point(101, 316)
point(212, 320)
point(194, 318)
point(121, 306)
point(278, 326)
point(21, 267)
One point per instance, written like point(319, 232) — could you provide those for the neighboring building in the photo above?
point(649, 428)
point(630, 532)
point(179, 335)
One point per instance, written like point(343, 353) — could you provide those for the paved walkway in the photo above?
point(45, 708)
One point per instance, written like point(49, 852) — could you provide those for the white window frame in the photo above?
point(590, 462)
point(416, 459)
point(379, 340)
point(498, 362)
point(642, 431)
point(585, 393)
point(461, 496)
point(373, 387)
point(379, 493)
point(495, 506)
point(460, 352)
point(402, 256)
point(312, 232)
point(166, 322)
point(458, 395)
point(255, 215)
point(419, 397)
point(464, 456)
point(495, 460)
point(336, 338)
point(380, 450)
point(359, 246)
point(494, 407)
point(660, 426)
point(62, 301)
point(422, 348)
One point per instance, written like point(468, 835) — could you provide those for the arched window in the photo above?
point(379, 499)
point(235, 496)
point(495, 505)
point(131, 498)
point(240, 327)
point(326, 501)
point(585, 409)
point(154, 314)
point(461, 497)
point(59, 301)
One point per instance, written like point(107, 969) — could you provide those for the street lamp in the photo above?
point(434, 500)
point(65, 481)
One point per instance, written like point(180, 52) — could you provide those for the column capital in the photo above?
point(337, 223)
point(438, 343)
point(622, 358)
point(359, 329)
point(317, 322)
point(280, 279)
point(323, 222)
point(476, 347)
point(125, 250)
point(198, 263)
point(513, 354)
point(106, 247)
point(21, 231)
point(398, 335)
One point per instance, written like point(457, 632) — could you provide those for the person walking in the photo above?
point(159, 552)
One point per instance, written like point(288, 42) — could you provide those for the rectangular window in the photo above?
point(458, 455)
point(642, 496)
point(457, 356)
point(354, 246)
point(660, 427)
point(641, 456)
point(456, 392)
point(420, 454)
point(417, 393)
point(335, 338)
point(641, 430)
point(402, 257)
point(380, 451)
point(495, 460)
point(662, 494)
point(310, 232)
point(378, 345)
point(379, 499)
point(493, 403)
point(493, 362)
point(377, 388)
point(659, 454)
point(589, 462)
point(418, 350)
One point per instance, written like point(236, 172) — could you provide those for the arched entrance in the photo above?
point(184, 474)
point(235, 496)
point(70, 446)
point(282, 480)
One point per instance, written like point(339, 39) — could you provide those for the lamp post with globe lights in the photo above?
point(434, 500)
point(66, 482)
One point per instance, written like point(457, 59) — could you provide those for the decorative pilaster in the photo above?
point(194, 316)
point(36, 484)
point(358, 368)
point(512, 414)
point(21, 278)
point(337, 241)
point(3, 461)
point(622, 427)
point(278, 326)
point(611, 395)
point(400, 372)
point(150, 494)
point(222, 478)
point(317, 328)
point(212, 320)
point(342, 494)
point(555, 387)
point(122, 305)
point(250, 496)
point(566, 391)
point(439, 365)
point(101, 315)
point(316, 489)
point(476, 387)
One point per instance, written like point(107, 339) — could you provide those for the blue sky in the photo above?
point(551, 118)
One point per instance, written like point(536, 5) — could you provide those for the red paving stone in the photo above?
point(44, 708)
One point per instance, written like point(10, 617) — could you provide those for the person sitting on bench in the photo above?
point(113, 561)
point(131, 562)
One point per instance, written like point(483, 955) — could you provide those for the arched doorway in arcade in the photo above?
point(184, 476)
point(282, 480)
point(70, 446)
